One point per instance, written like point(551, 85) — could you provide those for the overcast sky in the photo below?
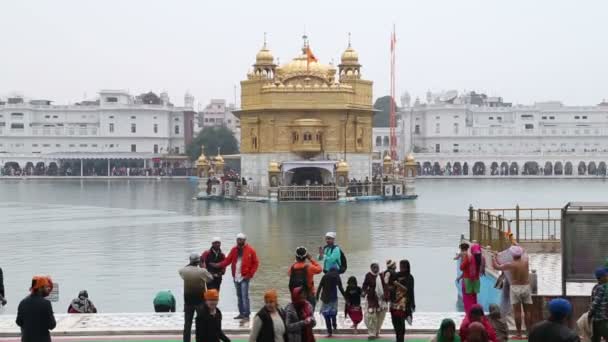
point(523, 50)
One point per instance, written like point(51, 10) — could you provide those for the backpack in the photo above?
point(343, 263)
point(299, 278)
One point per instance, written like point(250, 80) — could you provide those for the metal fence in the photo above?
point(496, 227)
point(308, 193)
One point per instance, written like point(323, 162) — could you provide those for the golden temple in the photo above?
point(305, 116)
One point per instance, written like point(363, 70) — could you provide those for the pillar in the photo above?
point(81, 168)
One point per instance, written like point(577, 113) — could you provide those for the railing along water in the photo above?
point(495, 227)
point(308, 193)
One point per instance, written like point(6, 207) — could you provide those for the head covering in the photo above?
point(216, 239)
point(212, 294)
point(241, 236)
point(601, 272)
point(271, 296)
point(477, 332)
point(476, 310)
point(195, 258)
point(301, 252)
point(391, 264)
point(83, 294)
point(516, 251)
point(445, 324)
point(330, 235)
point(495, 310)
point(560, 308)
point(476, 249)
point(39, 282)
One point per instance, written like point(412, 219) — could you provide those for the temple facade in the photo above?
point(305, 117)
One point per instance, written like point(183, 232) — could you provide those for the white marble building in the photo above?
point(453, 126)
point(115, 123)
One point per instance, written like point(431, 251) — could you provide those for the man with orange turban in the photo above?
point(35, 314)
point(209, 320)
point(269, 323)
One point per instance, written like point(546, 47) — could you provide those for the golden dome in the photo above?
point(409, 158)
point(388, 159)
point(218, 158)
point(350, 56)
point(264, 56)
point(300, 67)
point(274, 166)
point(342, 166)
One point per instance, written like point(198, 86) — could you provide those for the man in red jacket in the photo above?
point(244, 263)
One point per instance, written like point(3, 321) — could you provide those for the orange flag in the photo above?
point(309, 56)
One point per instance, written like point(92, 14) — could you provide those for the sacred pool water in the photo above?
point(123, 240)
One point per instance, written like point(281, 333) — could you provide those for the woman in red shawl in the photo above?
point(299, 318)
point(472, 268)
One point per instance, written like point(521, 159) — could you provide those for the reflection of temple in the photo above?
point(305, 116)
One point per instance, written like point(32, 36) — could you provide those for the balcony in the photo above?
point(307, 136)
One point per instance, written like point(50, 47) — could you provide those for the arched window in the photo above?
point(294, 137)
point(319, 136)
point(378, 141)
point(385, 141)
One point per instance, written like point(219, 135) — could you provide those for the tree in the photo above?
point(382, 118)
point(212, 138)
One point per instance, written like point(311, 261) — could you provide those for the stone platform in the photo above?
point(172, 324)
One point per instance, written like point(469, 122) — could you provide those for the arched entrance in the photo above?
point(548, 168)
point(514, 169)
point(479, 169)
point(559, 169)
point(582, 168)
point(531, 168)
point(601, 169)
point(426, 168)
point(307, 176)
point(494, 169)
point(592, 169)
point(568, 169)
point(465, 169)
point(504, 169)
point(457, 169)
point(437, 169)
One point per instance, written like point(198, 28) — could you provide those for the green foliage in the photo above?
point(212, 138)
point(382, 118)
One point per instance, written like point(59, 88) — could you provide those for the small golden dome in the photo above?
point(387, 159)
point(218, 158)
point(264, 56)
point(409, 158)
point(342, 166)
point(274, 166)
point(350, 56)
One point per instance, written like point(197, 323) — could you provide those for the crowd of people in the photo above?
point(389, 291)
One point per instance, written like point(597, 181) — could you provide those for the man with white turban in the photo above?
point(330, 254)
point(521, 292)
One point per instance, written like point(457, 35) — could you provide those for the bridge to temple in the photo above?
point(547, 164)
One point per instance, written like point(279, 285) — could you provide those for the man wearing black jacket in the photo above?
point(35, 313)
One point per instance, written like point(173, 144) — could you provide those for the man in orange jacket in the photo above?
point(301, 274)
point(244, 263)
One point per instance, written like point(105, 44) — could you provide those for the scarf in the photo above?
point(446, 323)
point(379, 288)
point(304, 310)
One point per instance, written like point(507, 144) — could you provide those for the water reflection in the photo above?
point(123, 240)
